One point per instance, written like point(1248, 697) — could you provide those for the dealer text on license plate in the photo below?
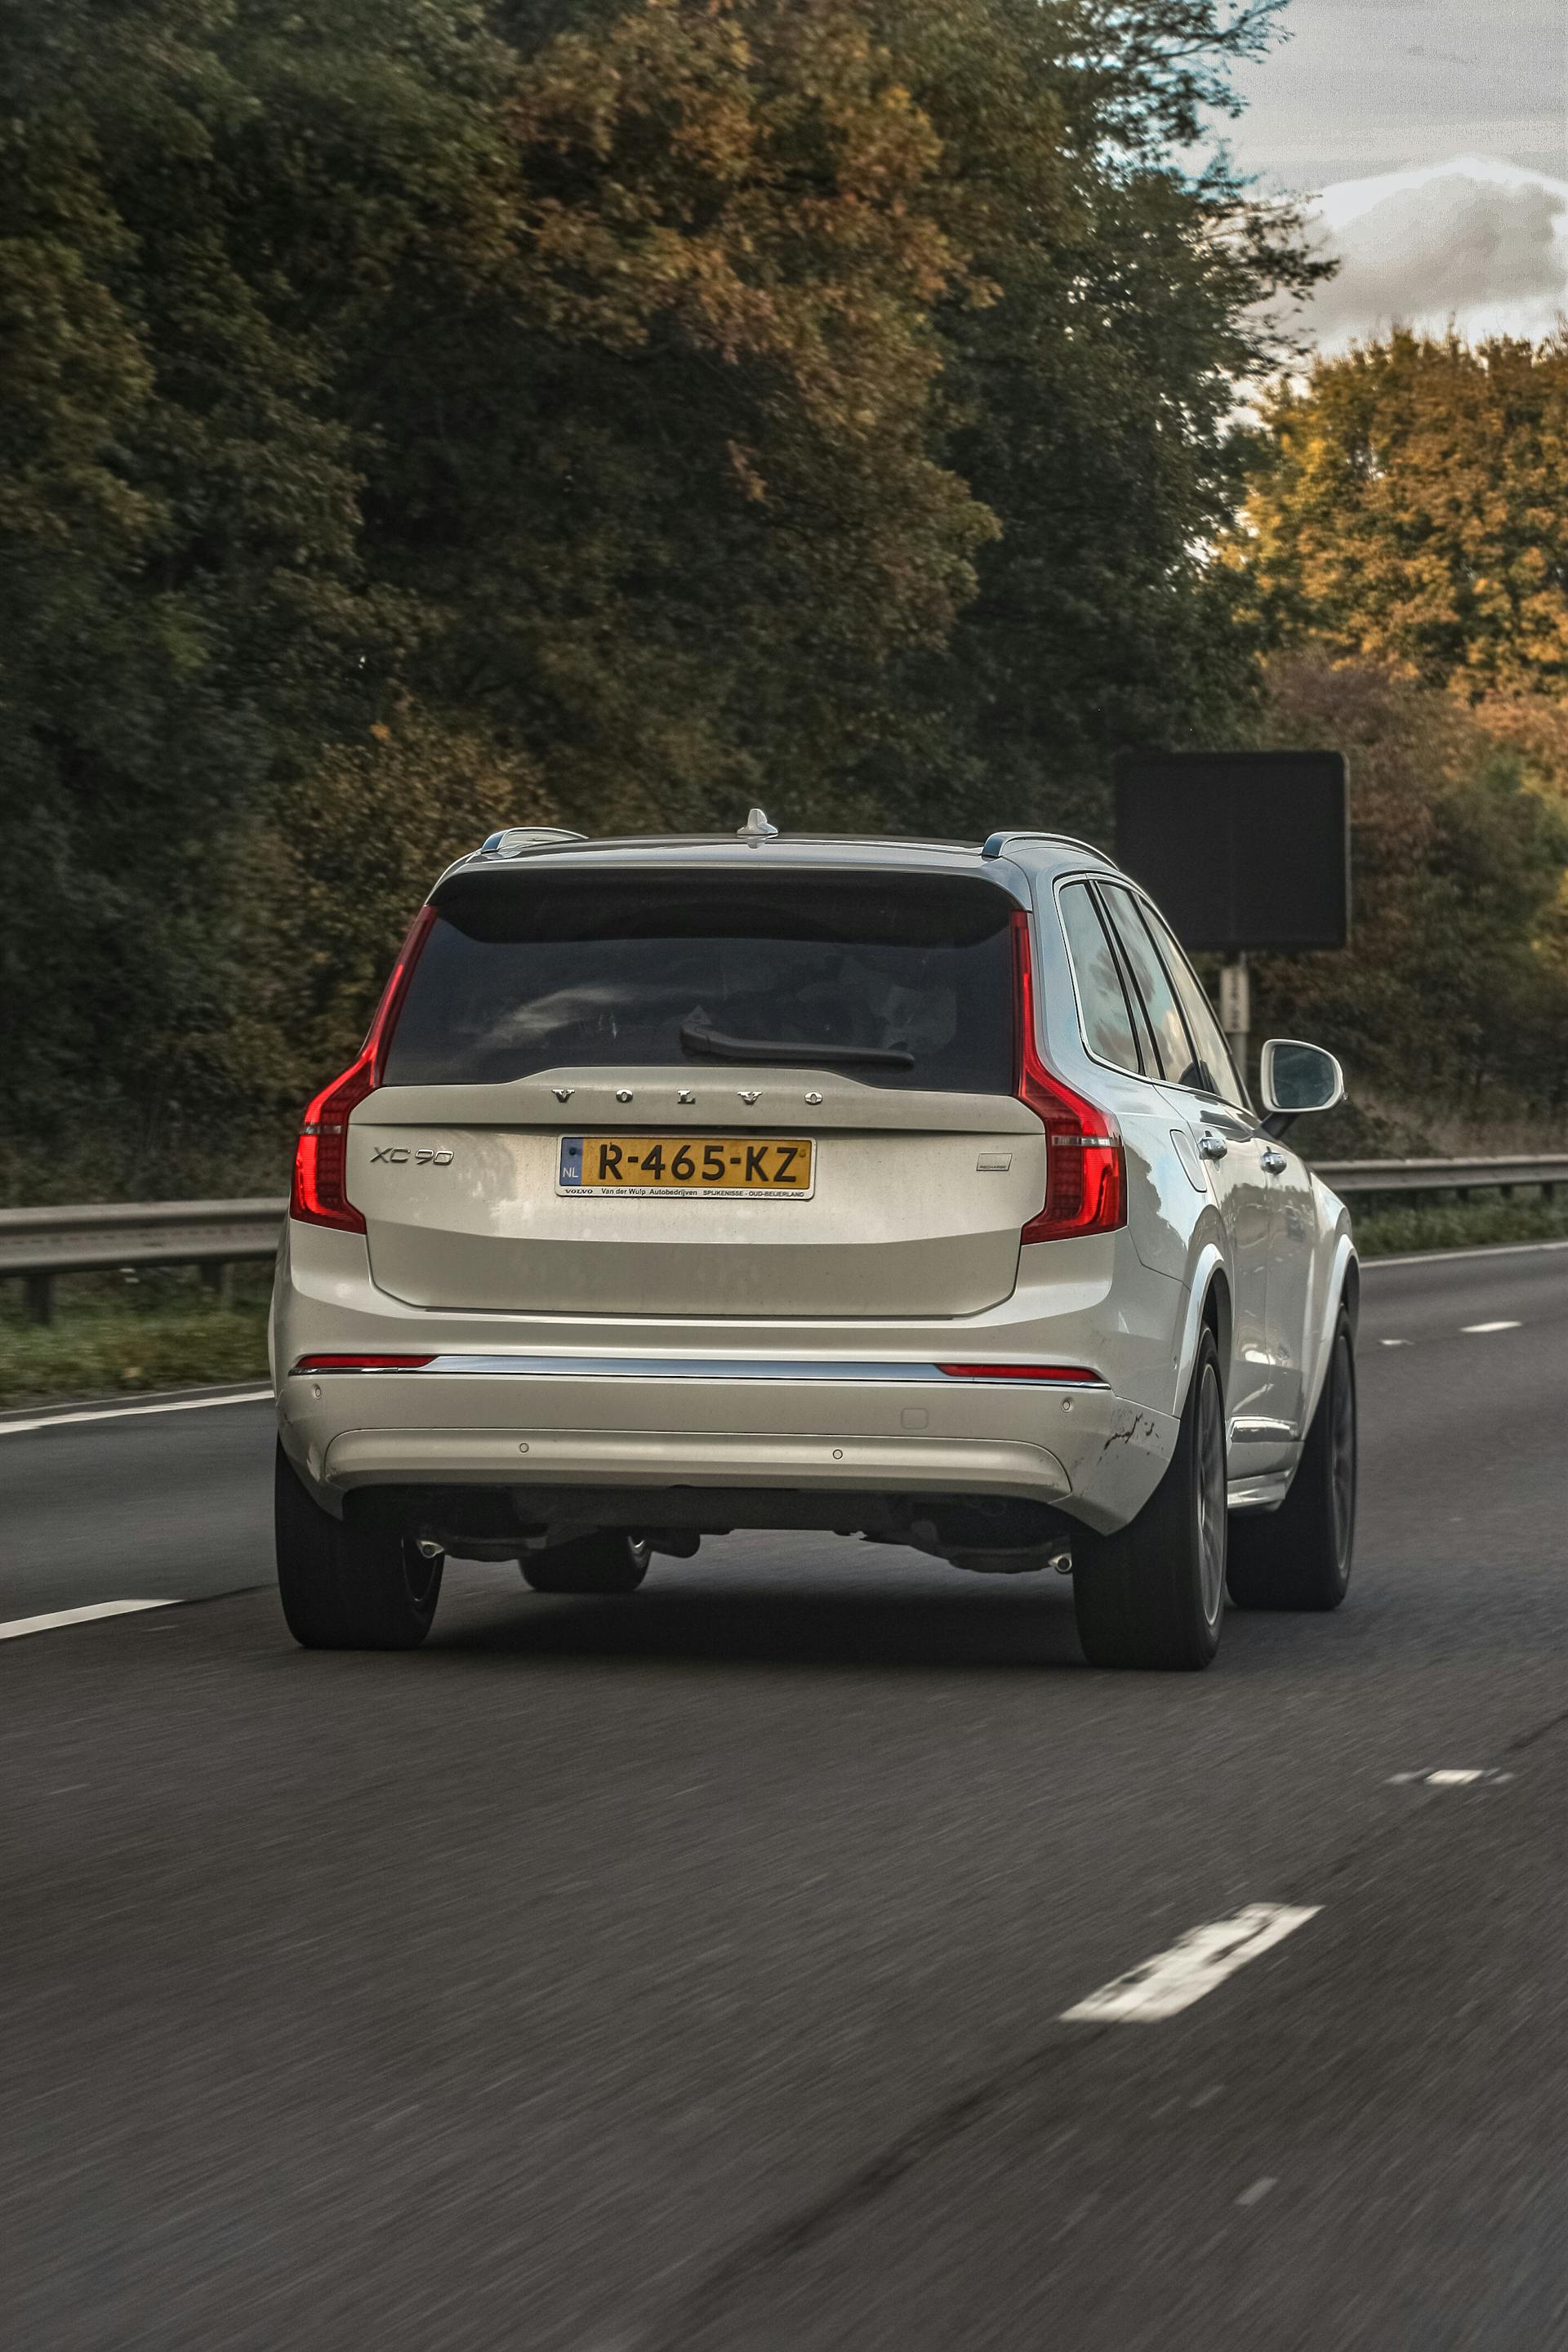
point(705, 1167)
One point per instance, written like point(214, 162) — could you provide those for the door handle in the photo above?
point(1212, 1147)
point(1275, 1162)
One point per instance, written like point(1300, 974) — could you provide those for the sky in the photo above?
point(1433, 137)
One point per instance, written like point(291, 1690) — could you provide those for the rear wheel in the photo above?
point(347, 1586)
point(1299, 1555)
point(605, 1561)
point(1154, 1594)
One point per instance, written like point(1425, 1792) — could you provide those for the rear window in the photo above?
point(893, 980)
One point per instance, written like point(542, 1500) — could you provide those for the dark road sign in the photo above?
point(1241, 849)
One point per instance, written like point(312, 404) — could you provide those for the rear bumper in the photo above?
point(518, 1421)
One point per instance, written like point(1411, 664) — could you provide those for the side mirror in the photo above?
point(1295, 1078)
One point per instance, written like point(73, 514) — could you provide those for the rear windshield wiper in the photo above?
point(725, 1048)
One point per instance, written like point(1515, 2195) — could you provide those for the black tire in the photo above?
point(346, 1585)
point(1154, 1594)
point(605, 1561)
point(1299, 1555)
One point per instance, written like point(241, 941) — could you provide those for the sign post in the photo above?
point(1235, 1008)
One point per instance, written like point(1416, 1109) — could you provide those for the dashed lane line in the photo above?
point(13, 1628)
point(131, 1411)
point(1468, 1328)
point(1203, 1958)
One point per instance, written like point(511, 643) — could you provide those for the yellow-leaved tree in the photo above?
point(1409, 510)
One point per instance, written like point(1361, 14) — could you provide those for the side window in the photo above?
point(1177, 1060)
point(1102, 1000)
point(1214, 1054)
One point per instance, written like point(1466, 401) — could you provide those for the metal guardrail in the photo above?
point(37, 1245)
point(1412, 1177)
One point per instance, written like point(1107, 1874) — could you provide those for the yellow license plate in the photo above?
point(705, 1167)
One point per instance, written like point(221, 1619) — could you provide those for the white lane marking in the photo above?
point(1452, 1780)
point(1490, 1326)
point(14, 1627)
point(1449, 1776)
point(1259, 2190)
point(1394, 1343)
point(1203, 1958)
point(1443, 1257)
point(129, 1411)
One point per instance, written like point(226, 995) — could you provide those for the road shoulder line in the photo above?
point(13, 1629)
point(67, 1419)
point(1446, 1257)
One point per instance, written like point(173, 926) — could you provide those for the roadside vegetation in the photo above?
point(1480, 1224)
point(115, 1334)
point(423, 414)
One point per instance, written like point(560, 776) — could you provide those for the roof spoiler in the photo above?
point(998, 844)
point(517, 840)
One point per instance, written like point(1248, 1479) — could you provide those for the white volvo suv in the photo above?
point(898, 1189)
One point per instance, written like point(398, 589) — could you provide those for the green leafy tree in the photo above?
point(201, 202)
point(631, 409)
point(1454, 990)
point(1092, 400)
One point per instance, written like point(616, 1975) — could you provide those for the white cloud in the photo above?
point(1482, 243)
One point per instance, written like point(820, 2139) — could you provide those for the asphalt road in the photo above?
point(688, 1972)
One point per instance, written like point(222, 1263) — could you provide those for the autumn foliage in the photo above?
point(618, 409)
point(1411, 511)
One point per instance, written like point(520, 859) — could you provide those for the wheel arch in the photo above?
point(1209, 1307)
point(1343, 1288)
point(1350, 1290)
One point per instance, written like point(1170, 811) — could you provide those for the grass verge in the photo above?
point(1388, 1231)
point(111, 1336)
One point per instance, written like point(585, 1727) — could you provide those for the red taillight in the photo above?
point(1076, 1375)
point(1086, 1168)
point(320, 1193)
point(363, 1363)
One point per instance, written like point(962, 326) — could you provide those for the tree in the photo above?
point(1455, 988)
point(634, 407)
point(694, 502)
point(1408, 509)
point(201, 202)
point(1091, 402)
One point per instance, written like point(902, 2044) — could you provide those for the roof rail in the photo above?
point(997, 843)
point(516, 840)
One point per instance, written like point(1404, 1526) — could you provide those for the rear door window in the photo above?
point(1106, 1015)
point(896, 980)
point(1218, 1071)
point(1178, 1058)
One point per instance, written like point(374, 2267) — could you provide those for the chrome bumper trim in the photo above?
point(465, 1365)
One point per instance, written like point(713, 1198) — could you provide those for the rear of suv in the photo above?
point(684, 1185)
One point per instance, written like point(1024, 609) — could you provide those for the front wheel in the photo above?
point(607, 1561)
point(1154, 1594)
point(346, 1585)
point(1299, 1557)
